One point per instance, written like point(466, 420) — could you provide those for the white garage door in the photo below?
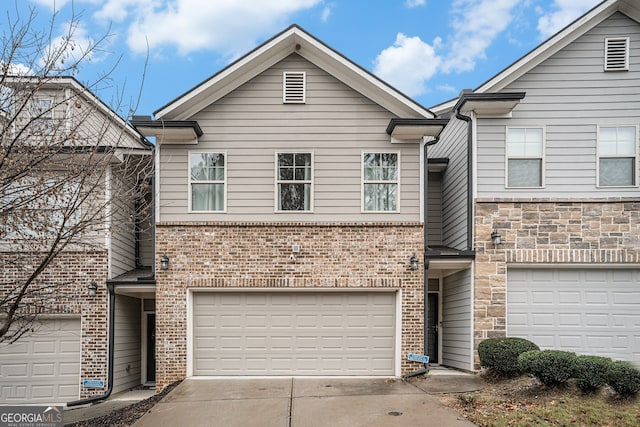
point(43, 367)
point(588, 311)
point(293, 333)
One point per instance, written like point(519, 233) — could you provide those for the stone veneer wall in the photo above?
point(545, 232)
point(256, 255)
point(62, 290)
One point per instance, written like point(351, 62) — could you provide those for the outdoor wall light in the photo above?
point(413, 261)
point(92, 289)
point(164, 262)
point(496, 238)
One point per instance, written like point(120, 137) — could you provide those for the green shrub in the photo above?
point(590, 372)
point(623, 378)
point(551, 367)
point(501, 354)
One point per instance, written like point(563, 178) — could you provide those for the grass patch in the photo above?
point(523, 402)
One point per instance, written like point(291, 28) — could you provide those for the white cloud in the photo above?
point(229, 26)
point(565, 12)
point(75, 46)
point(326, 13)
point(414, 3)
point(408, 64)
point(15, 69)
point(476, 24)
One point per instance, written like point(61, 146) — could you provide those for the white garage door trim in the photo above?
point(53, 377)
point(191, 292)
point(611, 327)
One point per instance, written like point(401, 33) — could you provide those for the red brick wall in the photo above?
point(349, 255)
point(62, 289)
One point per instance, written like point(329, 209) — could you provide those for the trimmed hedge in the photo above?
point(590, 372)
point(501, 354)
point(551, 367)
point(623, 378)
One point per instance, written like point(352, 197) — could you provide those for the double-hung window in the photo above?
point(207, 178)
point(617, 156)
point(294, 181)
point(41, 112)
point(380, 182)
point(525, 157)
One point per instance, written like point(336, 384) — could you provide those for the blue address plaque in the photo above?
point(418, 358)
point(93, 383)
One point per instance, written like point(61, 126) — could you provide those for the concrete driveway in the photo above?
point(285, 402)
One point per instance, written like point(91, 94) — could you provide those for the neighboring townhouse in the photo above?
point(289, 217)
point(78, 166)
point(546, 157)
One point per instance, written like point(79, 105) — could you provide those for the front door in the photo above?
point(151, 347)
point(432, 327)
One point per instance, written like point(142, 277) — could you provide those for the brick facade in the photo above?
point(545, 232)
point(256, 255)
point(62, 290)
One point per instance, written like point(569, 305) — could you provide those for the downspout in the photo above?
point(468, 119)
point(107, 393)
point(425, 279)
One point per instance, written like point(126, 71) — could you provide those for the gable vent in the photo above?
point(616, 54)
point(294, 87)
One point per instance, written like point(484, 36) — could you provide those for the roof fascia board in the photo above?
point(551, 46)
point(91, 97)
point(273, 51)
point(255, 62)
point(345, 70)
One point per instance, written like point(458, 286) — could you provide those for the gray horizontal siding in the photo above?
point(127, 346)
point(251, 124)
point(570, 95)
point(453, 145)
point(457, 337)
point(434, 209)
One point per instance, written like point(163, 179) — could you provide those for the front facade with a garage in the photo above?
point(290, 214)
point(553, 152)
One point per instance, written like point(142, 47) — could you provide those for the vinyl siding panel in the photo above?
point(251, 124)
point(453, 145)
point(457, 336)
point(569, 94)
point(122, 229)
point(127, 348)
point(434, 209)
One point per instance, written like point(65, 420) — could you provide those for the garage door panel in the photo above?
point(295, 333)
point(43, 367)
point(583, 310)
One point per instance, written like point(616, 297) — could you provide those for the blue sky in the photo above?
point(428, 49)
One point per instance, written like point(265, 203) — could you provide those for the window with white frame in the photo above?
point(525, 157)
point(380, 182)
point(617, 156)
point(41, 113)
point(207, 179)
point(294, 181)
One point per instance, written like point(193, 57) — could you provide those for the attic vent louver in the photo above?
point(294, 87)
point(616, 54)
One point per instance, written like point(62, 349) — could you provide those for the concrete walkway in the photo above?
point(286, 402)
point(115, 402)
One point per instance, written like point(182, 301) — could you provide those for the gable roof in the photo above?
point(551, 46)
point(60, 82)
point(292, 40)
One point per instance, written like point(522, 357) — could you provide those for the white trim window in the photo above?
point(41, 115)
point(207, 181)
point(525, 157)
point(294, 182)
point(617, 156)
point(381, 182)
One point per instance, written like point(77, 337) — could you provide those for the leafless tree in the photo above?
point(72, 172)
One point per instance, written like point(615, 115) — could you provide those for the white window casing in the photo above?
point(525, 157)
point(380, 175)
point(616, 54)
point(207, 181)
point(294, 87)
point(617, 164)
point(294, 182)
